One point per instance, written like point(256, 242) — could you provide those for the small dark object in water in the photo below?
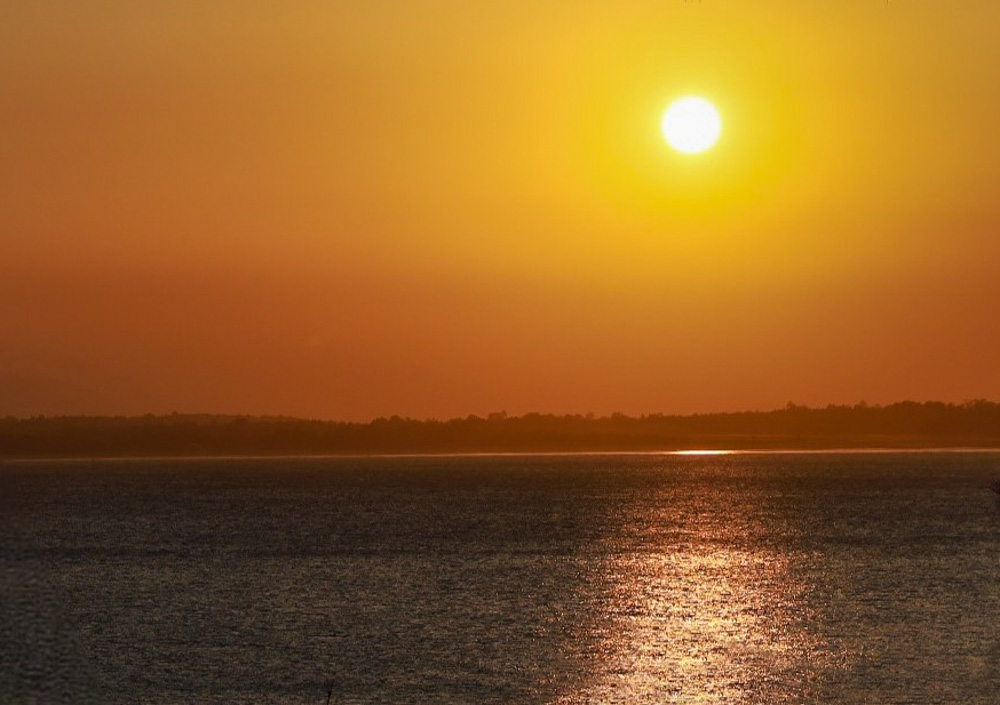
point(995, 486)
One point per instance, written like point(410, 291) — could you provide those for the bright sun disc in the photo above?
point(691, 125)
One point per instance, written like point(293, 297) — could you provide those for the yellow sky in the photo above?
point(355, 209)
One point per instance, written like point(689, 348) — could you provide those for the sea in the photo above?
point(741, 578)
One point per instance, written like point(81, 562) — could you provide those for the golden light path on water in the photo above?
point(704, 606)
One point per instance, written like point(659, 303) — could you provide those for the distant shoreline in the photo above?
point(904, 426)
point(693, 453)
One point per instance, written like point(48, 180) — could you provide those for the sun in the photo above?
point(691, 125)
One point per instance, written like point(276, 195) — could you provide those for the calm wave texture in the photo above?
point(639, 579)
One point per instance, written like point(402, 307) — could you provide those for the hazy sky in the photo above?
point(435, 208)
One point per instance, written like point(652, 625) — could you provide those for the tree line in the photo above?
point(904, 424)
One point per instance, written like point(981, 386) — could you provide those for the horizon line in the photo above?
point(588, 416)
point(685, 453)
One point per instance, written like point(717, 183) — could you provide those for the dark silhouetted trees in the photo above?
point(905, 424)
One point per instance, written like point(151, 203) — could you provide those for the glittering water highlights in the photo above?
point(840, 578)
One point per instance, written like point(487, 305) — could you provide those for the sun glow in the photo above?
point(691, 125)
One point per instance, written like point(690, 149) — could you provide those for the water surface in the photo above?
point(793, 578)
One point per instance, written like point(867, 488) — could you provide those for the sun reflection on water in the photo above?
point(700, 610)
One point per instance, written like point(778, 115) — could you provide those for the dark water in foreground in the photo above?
point(588, 579)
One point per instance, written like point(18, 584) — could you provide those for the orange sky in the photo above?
point(352, 209)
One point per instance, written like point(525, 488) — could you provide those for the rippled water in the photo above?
point(840, 578)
